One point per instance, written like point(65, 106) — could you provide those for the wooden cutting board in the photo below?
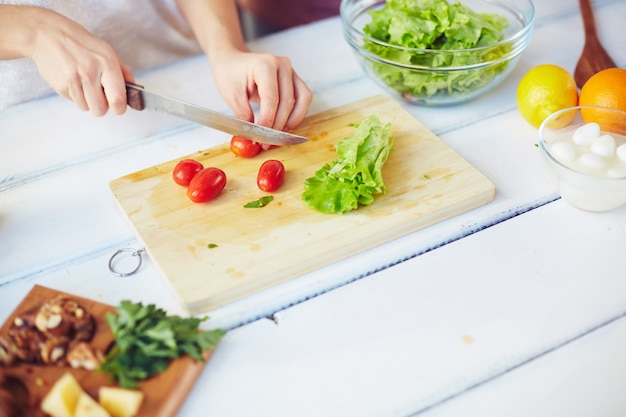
point(163, 394)
point(426, 182)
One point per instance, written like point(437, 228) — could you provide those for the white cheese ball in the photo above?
point(585, 134)
point(603, 145)
point(621, 152)
point(563, 152)
point(591, 162)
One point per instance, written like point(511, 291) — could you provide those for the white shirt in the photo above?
point(144, 34)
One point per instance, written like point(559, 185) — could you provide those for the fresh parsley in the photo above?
point(147, 340)
point(261, 202)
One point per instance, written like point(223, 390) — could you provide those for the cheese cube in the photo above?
point(62, 398)
point(120, 402)
point(88, 407)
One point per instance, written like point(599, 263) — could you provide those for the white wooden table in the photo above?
point(515, 308)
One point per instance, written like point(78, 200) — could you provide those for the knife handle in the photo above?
point(134, 97)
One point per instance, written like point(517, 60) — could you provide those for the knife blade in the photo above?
point(141, 99)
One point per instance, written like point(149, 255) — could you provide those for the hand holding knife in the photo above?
point(141, 99)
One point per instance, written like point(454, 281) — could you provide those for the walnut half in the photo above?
point(46, 333)
point(7, 352)
point(52, 351)
point(83, 355)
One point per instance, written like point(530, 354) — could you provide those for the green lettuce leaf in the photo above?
point(355, 177)
point(435, 25)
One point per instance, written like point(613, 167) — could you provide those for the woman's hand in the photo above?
point(78, 65)
point(243, 77)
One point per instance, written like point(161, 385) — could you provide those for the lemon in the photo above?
point(543, 90)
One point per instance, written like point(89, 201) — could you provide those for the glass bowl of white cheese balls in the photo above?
point(584, 149)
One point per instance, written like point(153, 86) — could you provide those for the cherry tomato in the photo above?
point(244, 147)
point(185, 170)
point(206, 185)
point(271, 175)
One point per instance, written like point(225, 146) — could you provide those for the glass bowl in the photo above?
point(584, 150)
point(439, 77)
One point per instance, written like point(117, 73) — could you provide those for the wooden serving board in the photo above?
point(426, 182)
point(163, 394)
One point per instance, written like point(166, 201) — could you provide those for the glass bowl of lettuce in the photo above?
point(437, 52)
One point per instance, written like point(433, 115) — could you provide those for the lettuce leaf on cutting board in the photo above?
point(355, 177)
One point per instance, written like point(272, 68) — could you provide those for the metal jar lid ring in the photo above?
point(134, 252)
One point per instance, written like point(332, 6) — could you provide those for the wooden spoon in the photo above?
point(594, 58)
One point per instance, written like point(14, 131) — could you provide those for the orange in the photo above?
point(543, 90)
point(606, 88)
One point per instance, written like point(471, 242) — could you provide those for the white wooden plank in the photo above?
point(583, 378)
point(411, 336)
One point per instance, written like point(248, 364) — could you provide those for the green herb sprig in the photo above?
point(261, 202)
point(147, 340)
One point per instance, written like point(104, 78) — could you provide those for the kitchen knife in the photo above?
point(141, 99)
